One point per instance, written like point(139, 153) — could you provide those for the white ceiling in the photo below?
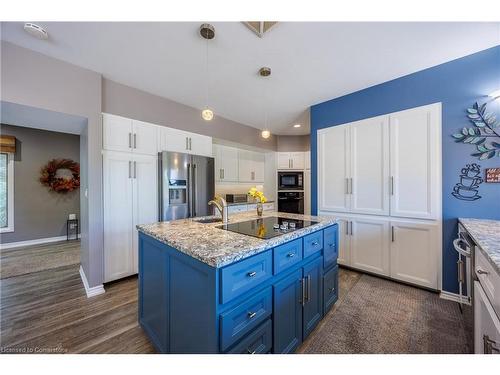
point(311, 62)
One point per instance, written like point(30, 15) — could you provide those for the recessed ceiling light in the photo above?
point(297, 126)
point(36, 31)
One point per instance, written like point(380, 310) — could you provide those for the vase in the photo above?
point(260, 209)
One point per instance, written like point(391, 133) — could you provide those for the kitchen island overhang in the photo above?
point(206, 290)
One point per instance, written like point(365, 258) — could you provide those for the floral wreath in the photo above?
point(60, 184)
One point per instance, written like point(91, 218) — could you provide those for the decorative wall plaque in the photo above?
point(492, 175)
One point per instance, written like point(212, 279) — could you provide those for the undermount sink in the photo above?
point(209, 220)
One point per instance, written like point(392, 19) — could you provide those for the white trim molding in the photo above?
point(10, 195)
point(95, 290)
point(38, 241)
point(454, 297)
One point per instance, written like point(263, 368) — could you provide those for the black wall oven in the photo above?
point(290, 180)
point(291, 201)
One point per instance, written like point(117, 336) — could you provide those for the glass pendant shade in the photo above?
point(265, 134)
point(207, 114)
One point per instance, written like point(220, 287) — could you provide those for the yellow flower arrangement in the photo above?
point(254, 193)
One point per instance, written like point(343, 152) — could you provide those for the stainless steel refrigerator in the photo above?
point(186, 184)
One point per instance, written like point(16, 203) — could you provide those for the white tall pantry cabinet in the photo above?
point(130, 190)
point(382, 177)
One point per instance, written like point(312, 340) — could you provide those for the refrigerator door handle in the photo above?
point(160, 187)
point(189, 190)
point(193, 203)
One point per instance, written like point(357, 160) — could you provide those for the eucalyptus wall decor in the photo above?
point(484, 135)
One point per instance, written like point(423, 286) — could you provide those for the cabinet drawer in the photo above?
point(313, 243)
point(330, 289)
point(331, 251)
point(257, 342)
point(236, 323)
point(245, 275)
point(489, 279)
point(287, 255)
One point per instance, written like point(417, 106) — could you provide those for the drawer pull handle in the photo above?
point(251, 314)
point(315, 243)
point(290, 255)
point(252, 274)
point(481, 272)
point(250, 352)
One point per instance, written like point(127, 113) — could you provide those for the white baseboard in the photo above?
point(95, 290)
point(38, 241)
point(454, 297)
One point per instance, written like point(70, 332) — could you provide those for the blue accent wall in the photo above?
point(457, 85)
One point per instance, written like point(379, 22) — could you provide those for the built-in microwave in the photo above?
point(290, 180)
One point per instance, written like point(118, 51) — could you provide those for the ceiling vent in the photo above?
point(260, 27)
point(36, 31)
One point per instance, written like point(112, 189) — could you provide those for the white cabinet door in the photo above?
point(333, 169)
point(297, 160)
point(118, 215)
point(369, 182)
point(486, 324)
point(245, 166)
point(117, 133)
point(415, 253)
point(307, 160)
point(173, 140)
point(370, 245)
point(144, 138)
point(199, 144)
point(416, 162)
point(344, 242)
point(145, 201)
point(259, 166)
point(226, 163)
point(284, 161)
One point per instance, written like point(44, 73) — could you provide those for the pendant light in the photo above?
point(207, 32)
point(265, 72)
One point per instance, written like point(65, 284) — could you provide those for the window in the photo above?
point(6, 192)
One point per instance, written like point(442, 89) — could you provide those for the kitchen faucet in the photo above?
point(221, 205)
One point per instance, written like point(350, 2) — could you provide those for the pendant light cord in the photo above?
point(207, 77)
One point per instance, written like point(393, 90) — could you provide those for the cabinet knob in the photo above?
point(481, 272)
point(332, 290)
point(331, 245)
point(250, 351)
point(251, 314)
point(315, 243)
point(290, 255)
point(252, 274)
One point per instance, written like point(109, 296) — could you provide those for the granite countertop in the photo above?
point(486, 235)
point(217, 247)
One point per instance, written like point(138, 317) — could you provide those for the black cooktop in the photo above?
point(267, 227)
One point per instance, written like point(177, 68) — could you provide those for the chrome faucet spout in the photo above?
point(221, 205)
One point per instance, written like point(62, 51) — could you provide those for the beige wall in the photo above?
point(129, 102)
point(288, 143)
point(38, 212)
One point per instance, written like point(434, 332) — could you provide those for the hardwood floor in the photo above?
point(48, 312)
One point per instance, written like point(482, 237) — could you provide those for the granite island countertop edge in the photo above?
point(486, 234)
point(219, 248)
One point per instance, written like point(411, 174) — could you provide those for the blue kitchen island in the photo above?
point(242, 288)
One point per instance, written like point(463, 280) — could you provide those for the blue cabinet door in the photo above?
point(313, 306)
point(330, 288)
point(330, 244)
point(287, 319)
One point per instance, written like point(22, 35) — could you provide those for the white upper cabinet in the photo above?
point(117, 133)
point(226, 163)
point(368, 182)
point(307, 160)
point(251, 166)
point(414, 253)
point(416, 162)
point(123, 134)
point(333, 169)
point(291, 160)
point(176, 140)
